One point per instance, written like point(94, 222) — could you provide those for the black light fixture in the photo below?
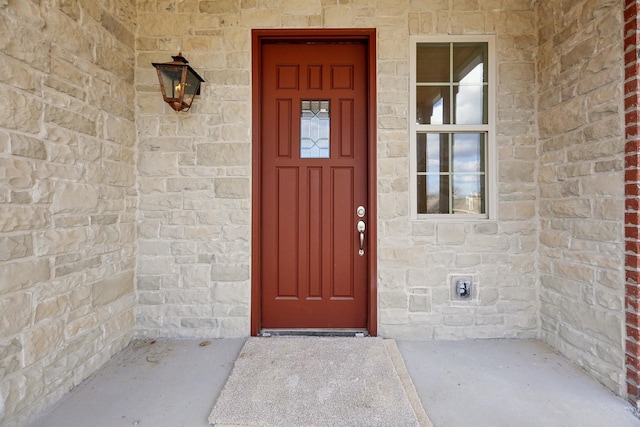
point(179, 82)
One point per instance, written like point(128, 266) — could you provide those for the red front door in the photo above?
point(313, 178)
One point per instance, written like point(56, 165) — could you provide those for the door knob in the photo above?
point(361, 227)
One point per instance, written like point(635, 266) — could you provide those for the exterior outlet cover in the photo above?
point(462, 288)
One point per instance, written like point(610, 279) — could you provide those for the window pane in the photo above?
point(434, 184)
point(422, 194)
point(433, 194)
point(421, 152)
point(433, 65)
point(468, 178)
point(437, 152)
point(468, 62)
point(470, 105)
point(438, 194)
point(433, 152)
point(314, 130)
point(433, 105)
point(468, 194)
point(437, 181)
point(468, 152)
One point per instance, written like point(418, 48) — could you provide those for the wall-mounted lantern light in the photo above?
point(179, 82)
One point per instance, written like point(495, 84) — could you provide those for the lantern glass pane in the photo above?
point(172, 81)
point(192, 84)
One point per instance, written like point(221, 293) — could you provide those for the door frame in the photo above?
point(258, 38)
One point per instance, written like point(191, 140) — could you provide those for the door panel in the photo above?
point(287, 238)
point(311, 273)
point(342, 233)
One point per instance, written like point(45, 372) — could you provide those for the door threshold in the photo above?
point(358, 333)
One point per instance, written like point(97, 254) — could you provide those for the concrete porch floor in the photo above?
point(174, 383)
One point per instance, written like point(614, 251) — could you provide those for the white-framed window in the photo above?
point(452, 125)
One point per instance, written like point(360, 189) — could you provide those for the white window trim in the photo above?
point(491, 167)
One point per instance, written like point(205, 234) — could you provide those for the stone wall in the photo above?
point(70, 190)
point(581, 126)
point(194, 171)
point(67, 196)
point(417, 258)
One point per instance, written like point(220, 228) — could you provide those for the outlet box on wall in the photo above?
point(463, 287)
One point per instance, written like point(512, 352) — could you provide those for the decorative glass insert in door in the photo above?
point(314, 130)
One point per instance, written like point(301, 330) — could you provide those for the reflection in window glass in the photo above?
point(433, 63)
point(468, 194)
point(468, 152)
point(421, 152)
point(451, 84)
point(437, 152)
point(314, 130)
point(468, 62)
point(471, 100)
point(451, 173)
point(433, 104)
point(452, 116)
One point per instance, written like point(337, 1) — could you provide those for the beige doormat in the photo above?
point(319, 381)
